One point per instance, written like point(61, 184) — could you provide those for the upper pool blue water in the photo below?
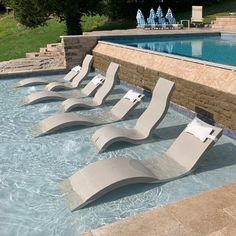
point(218, 49)
point(32, 168)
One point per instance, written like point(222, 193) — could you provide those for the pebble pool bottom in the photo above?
point(31, 168)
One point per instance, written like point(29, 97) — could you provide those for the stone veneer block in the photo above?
point(76, 47)
point(206, 90)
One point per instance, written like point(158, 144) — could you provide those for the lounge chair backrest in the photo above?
point(196, 14)
point(109, 83)
point(91, 87)
point(123, 107)
point(157, 108)
point(187, 150)
point(85, 69)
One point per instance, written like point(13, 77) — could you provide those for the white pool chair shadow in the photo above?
point(146, 123)
point(99, 97)
point(60, 121)
point(101, 177)
point(71, 80)
point(88, 90)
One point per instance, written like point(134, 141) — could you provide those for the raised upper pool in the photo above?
point(215, 48)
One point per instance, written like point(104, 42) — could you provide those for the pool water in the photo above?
point(31, 169)
point(218, 49)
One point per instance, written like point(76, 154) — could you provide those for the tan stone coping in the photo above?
point(140, 32)
point(135, 32)
point(218, 78)
point(211, 213)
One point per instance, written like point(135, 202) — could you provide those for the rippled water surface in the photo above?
point(31, 168)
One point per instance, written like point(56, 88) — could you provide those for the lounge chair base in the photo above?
point(84, 187)
point(56, 86)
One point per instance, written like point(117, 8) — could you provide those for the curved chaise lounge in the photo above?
point(101, 177)
point(77, 80)
point(101, 94)
point(60, 121)
point(146, 123)
point(74, 73)
point(47, 96)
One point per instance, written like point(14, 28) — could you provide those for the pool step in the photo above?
point(32, 54)
point(52, 50)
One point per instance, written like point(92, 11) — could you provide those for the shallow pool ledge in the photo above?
point(207, 90)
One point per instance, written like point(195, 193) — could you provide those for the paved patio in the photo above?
point(209, 214)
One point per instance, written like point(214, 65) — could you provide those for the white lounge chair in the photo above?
point(101, 177)
point(146, 123)
point(77, 74)
point(196, 14)
point(60, 121)
point(100, 95)
point(88, 90)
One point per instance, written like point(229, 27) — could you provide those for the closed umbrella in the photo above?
point(140, 19)
point(169, 14)
point(159, 12)
point(151, 18)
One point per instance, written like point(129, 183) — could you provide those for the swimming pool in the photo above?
point(31, 169)
point(211, 48)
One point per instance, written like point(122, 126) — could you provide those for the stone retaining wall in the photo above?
point(76, 47)
point(206, 90)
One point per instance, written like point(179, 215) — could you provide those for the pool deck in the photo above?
point(211, 213)
point(151, 32)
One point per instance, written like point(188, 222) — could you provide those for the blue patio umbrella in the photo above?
point(169, 14)
point(140, 19)
point(159, 12)
point(151, 18)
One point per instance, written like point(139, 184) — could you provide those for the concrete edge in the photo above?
point(22, 74)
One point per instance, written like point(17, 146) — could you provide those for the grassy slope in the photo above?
point(16, 40)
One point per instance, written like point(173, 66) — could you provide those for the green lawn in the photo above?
point(16, 40)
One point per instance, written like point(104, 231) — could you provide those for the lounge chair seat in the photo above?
point(146, 123)
point(100, 95)
point(47, 96)
point(101, 177)
point(76, 75)
point(60, 121)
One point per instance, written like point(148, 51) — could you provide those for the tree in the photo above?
point(127, 9)
point(33, 13)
